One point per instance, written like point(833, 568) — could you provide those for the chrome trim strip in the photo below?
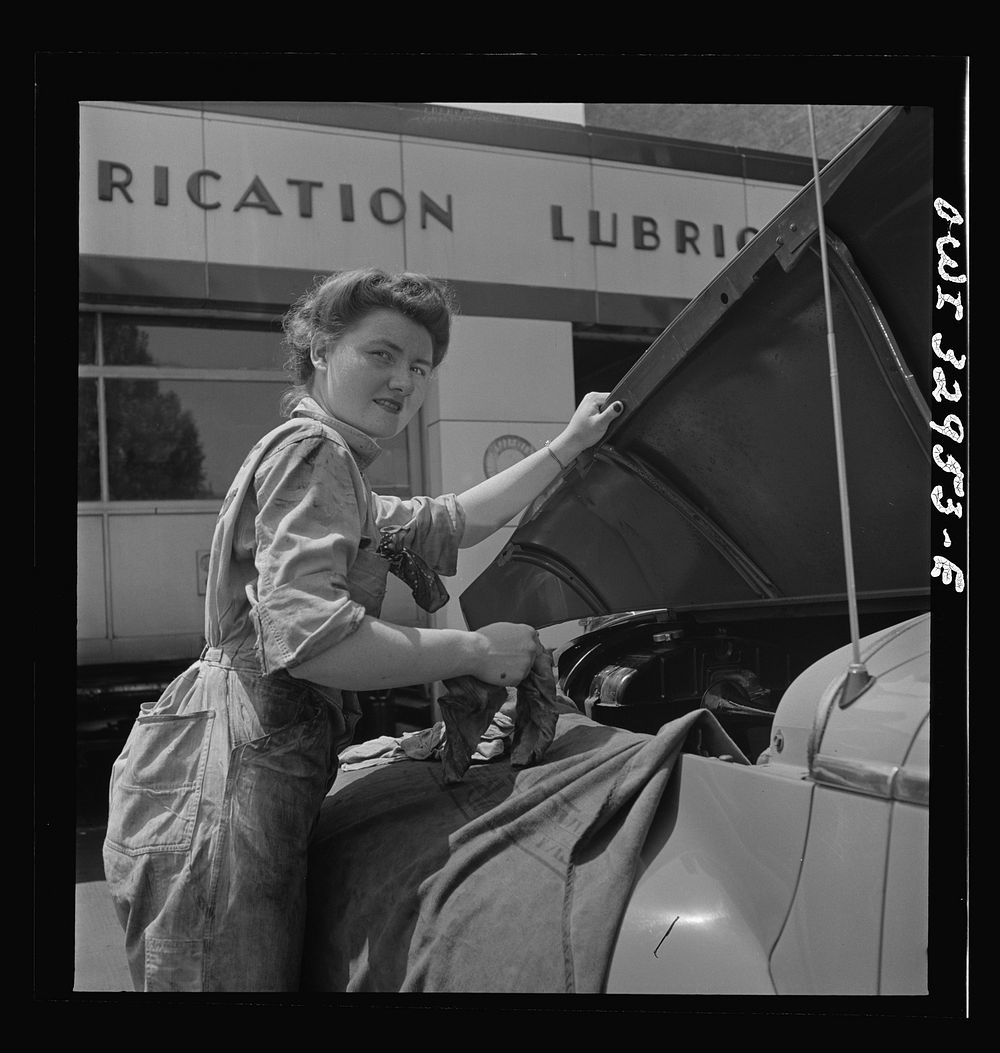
point(820, 717)
point(912, 786)
point(887, 781)
point(861, 777)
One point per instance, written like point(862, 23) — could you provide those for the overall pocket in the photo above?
point(156, 784)
point(268, 705)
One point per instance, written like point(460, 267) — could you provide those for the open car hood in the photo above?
point(717, 486)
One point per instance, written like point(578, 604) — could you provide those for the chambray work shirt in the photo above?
point(293, 567)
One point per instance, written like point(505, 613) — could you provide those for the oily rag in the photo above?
point(468, 708)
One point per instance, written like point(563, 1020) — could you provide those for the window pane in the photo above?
point(88, 474)
point(132, 340)
point(183, 439)
point(88, 330)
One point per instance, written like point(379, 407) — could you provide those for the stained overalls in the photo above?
point(215, 794)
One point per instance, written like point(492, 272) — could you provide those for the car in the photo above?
point(699, 549)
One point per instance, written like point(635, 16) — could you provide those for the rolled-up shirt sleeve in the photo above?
point(308, 530)
point(434, 527)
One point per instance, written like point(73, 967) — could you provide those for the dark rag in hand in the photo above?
point(536, 713)
point(470, 704)
point(467, 711)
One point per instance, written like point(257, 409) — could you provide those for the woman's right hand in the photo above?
point(506, 652)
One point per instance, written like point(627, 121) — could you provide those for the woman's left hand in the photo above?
point(491, 503)
point(587, 425)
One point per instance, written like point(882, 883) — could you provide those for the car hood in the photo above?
point(717, 486)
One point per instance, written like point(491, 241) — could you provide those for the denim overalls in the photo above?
point(216, 792)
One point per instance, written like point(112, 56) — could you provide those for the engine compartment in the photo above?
point(640, 671)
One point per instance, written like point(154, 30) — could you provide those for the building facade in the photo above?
point(569, 249)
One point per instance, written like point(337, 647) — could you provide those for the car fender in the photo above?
point(720, 867)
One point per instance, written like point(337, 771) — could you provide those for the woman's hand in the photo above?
point(587, 426)
point(491, 503)
point(506, 652)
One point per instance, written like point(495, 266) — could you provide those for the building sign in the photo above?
point(646, 235)
point(178, 185)
point(388, 205)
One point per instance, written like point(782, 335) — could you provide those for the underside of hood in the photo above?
point(717, 486)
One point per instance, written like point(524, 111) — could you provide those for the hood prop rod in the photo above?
point(858, 678)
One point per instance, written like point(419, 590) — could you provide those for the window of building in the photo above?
point(88, 472)
point(183, 439)
point(169, 407)
point(187, 343)
point(88, 339)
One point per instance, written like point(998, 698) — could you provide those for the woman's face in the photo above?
point(375, 375)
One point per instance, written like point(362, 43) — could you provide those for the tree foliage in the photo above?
point(154, 452)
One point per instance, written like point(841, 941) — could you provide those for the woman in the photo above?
point(218, 787)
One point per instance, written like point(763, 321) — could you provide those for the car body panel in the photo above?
point(830, 943)
point(878, 728)
point(712, 510)
point(718, 483)
point(904, 925)
point(721, 866)
point(771, 877)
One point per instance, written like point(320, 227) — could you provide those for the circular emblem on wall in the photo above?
point(504, 451)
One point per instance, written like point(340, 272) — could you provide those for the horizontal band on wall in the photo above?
point(233, 287)
point(503, 130)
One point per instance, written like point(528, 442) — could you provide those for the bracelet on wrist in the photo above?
point(554, 454)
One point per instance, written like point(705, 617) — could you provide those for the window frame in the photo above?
point(101, 373)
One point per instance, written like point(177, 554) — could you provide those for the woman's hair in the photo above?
point(336, 303)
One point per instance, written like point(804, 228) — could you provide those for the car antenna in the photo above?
point(858, 678)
